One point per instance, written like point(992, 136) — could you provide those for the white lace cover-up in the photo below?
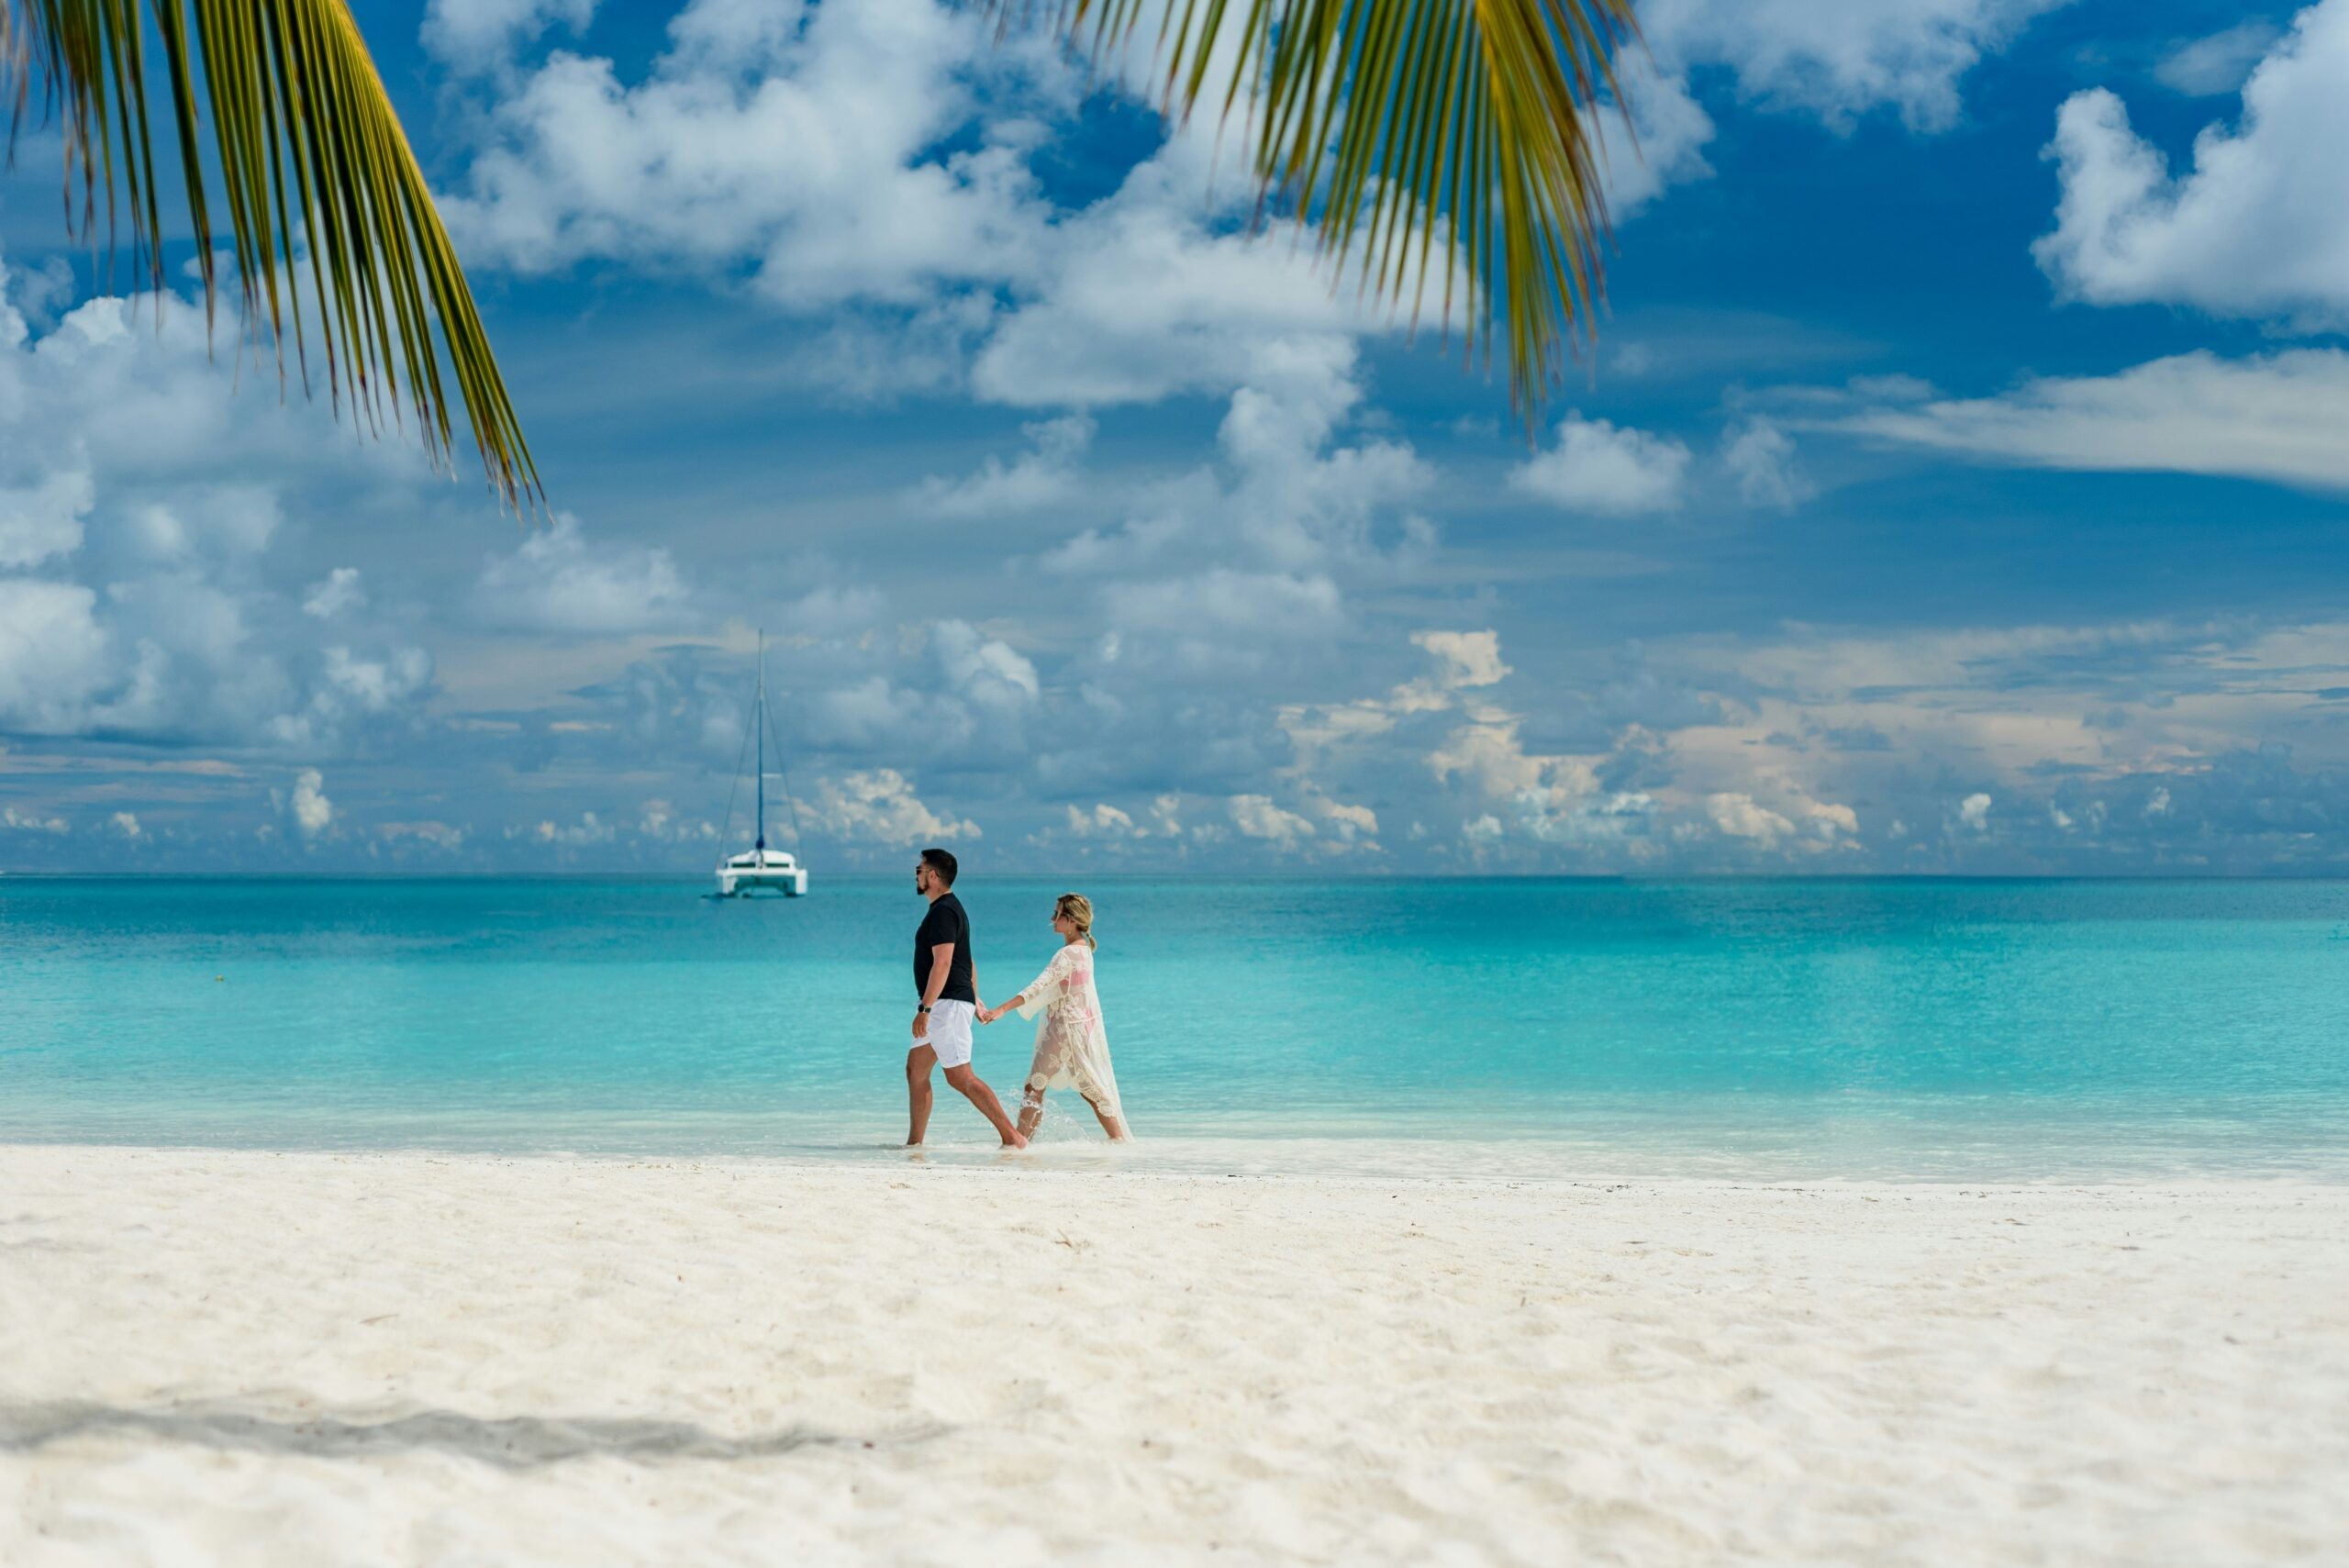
point(1071, 1048)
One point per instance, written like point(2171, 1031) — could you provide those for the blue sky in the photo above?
point(1956, 485)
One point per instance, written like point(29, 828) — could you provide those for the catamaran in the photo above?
point(760, 869)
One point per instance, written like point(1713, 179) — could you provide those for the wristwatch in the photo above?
point(923, 1008)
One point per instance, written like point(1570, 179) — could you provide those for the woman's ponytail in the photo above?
point(1077, 910)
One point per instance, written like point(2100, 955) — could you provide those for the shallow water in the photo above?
point(2046, 1031)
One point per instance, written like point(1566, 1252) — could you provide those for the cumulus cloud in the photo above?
point(1165, 287)
point(476, 37)
point(880, 807)
point(141, 507)
point(1761, 457)
point(1045, 473)
point(559, 581)
point(55, 659)
point(338, 593)
point(312, 811)
point(43, 518)
point(18, 821)
point(1736, 814)
point(1290, 497)
point(1598, 467)
point(1257, 817)
point(2218, 63)
point(1104, 821)
point(434, 834)
point(1254, 606)
point(1841, 58)
point(1667, 146)
point(1974, 811)
point(127, 824)
point(2274, 417)
point(809, 141)
point(1547, 797)
point(2259, 226)
point(588, 832)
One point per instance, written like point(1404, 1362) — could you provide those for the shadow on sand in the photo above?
point(513, 1442)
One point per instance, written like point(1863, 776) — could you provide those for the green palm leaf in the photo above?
point(314, 174)
point(1388, 124)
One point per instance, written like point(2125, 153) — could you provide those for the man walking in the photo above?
point(943, 977)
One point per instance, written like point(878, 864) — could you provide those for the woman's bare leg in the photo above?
point(1109, 1124)
point(1032, 1111)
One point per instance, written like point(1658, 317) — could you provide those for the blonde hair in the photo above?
point(1077, 910)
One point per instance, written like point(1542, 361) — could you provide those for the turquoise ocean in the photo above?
point(2042, 1031)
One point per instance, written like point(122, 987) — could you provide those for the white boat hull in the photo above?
point(732, 884)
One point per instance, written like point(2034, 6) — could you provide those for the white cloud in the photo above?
point(32, 822)
point(2276, 416)
point(1162, 288)
point(590, 829)
point(1463, 659)
point(1257, 817)
point(1667, 146)
point(1252, 607)
point(1104, 821)
point(1736, 814)
point(1352, 826)
point(557, 580)
point(1598, 467)
point(311, 808)
point(44, 518)
point(2259, 226)
point(1295, 504)
point(1761, 457)
point(2157, 802)
point(659, 822)
point(347, 687)
point(127, 824)
point(1975, 812)
point(1829, 820)
point(439, 835)
point(880, 807)
point(476, 37)
point(1839, 59)
point(985, 671)
point(1546, 798)
point(1046, 473)
point(55, 659)
point(806, 139)
point(149, 497)
point(338, 593)
point(2205, 67)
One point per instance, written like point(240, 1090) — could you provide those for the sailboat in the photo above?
point(760, 869)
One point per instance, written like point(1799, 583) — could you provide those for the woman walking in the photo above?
point(1071, 1048)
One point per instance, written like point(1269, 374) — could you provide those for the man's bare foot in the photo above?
point(1016, 1140)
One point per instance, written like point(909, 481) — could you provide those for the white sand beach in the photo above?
point(312, 1359)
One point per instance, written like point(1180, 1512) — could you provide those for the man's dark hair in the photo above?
point(941, 862)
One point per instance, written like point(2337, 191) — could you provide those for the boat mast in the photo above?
point(762, 746)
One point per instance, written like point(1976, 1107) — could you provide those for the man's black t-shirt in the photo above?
point(945, 923)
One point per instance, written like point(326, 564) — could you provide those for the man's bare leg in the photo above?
point(918, 1062)
point(973, 1088)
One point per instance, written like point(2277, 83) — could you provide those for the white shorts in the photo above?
point(950, 1032)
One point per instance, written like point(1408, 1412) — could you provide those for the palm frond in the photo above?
point(314, 174)
point(1391, 125)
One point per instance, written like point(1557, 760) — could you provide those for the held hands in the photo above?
point(988, 1015)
